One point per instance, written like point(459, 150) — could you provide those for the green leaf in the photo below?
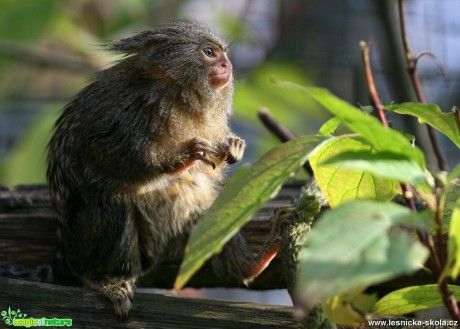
point(453, 174)
point(351, 247)
point(432, 115)
point(380, 137)
point(329, 126)
point(453, 244)
point(383, 164)
point(244, 194)
point(340, 185)
point(349, 309)
point(412, 299)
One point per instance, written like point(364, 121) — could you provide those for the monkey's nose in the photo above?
point(226, 65)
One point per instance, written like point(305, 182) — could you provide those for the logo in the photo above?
point(19, 319)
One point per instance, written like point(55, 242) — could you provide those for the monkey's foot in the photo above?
point(264, 259)
point(233, 149)
point(119, 292)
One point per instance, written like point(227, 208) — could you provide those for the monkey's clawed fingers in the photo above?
point(203, 157)
point(233, 149)
point(199, 149)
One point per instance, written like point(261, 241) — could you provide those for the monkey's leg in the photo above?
point(120, 292)
point(238, 260)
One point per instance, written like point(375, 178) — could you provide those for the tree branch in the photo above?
point(279, 131)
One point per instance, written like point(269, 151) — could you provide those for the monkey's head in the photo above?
point(183, 53)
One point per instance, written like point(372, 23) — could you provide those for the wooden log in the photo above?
point(88, 309)
point(27, 238)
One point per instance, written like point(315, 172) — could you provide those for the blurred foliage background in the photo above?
point(49, 50)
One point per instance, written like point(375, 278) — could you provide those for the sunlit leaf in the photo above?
point(340, 185)
point(381, 138)
point(431, 114)
point(412, 299)
point(247, 191)
point(348, 309)
point(383, 164)
point(453, 243)
point(351, 248)
point(329, 126)
point(453, 174)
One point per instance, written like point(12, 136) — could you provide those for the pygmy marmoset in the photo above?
point(139, 154)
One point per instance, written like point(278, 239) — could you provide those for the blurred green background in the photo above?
point(50, 49)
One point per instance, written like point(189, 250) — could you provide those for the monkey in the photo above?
point(138, 154)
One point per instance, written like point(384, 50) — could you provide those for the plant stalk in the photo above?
point(408, 195)
point(375, 99)
point(411, 60)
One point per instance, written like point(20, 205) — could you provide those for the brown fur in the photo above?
point(131, 163)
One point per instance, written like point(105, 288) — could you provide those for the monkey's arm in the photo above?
point(137, 151)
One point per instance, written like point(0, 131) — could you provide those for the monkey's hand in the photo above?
point(196, 149)
point(232, 149)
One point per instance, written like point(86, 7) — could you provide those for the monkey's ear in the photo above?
point(138, 42)
point(147, 56)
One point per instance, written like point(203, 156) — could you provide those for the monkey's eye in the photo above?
point(208, 52)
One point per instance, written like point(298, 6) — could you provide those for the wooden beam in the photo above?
point(89, 310)
point(27, 238)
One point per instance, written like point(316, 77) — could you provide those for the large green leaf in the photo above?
point(244, 194)
point(352, 247)
point(412, 299)
point(340, 185)
point(431, 114)
point(381, 138)
point(383, 164)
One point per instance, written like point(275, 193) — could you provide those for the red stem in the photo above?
point(406, 189)
point(447, 296)
point(411, 61)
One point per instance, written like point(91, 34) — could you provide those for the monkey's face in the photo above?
point(220, 68)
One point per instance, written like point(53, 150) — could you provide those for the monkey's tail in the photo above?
point(42, 273)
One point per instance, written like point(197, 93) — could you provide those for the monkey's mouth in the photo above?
point(220, 79)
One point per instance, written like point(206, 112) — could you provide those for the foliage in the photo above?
point(412, 299)
point(365, 238)
point(249, 189)
point(353, 247)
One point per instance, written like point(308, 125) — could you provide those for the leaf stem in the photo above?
point(411, 60)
